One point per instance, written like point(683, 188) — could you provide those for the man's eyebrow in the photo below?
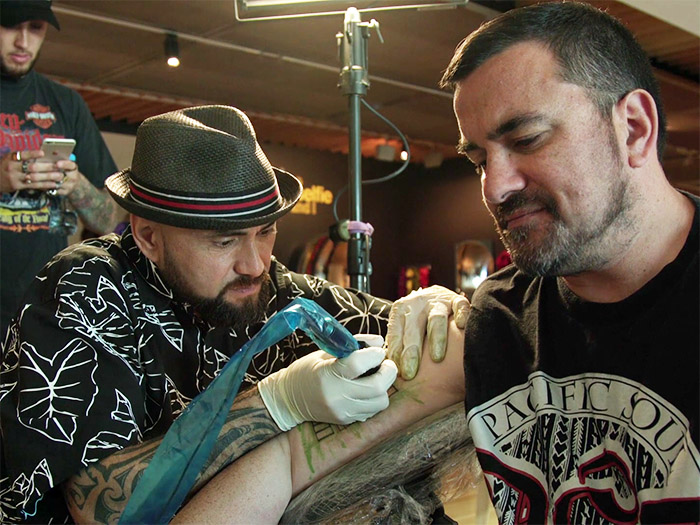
point(224, 233)
point(465, 147)
point(515, 123)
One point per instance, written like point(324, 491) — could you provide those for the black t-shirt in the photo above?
point(588, 412)
point(32, 108)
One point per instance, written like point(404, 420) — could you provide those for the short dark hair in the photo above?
point(595, 51)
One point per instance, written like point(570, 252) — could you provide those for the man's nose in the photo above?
point(21, 38)
point(501, 177)
point(249, 259)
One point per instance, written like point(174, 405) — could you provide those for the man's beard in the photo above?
point(217, 311)
point(566, 249)
point(17, 72)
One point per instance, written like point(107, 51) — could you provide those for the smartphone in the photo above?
point(56, 149)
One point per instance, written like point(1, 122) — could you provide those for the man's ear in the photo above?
point(637, 110)
point(148, 237)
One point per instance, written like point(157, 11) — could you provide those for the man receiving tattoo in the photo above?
point(34, 216)
point(596, 322)
point(120, 333)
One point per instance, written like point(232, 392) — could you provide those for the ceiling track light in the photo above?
point(172, 50)
point(288, 9)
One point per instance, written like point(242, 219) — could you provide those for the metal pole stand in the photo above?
point(354, 82)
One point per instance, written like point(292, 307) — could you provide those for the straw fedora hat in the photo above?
point(202, 168)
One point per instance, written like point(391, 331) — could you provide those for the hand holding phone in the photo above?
point(55, 150)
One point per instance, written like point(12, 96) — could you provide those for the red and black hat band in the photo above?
point(258, 203)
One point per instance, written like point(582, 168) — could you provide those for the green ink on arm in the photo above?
point(311, 444)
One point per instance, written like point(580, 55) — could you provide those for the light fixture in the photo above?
point(286, 9)
point(403, 155)
point(172, 50)
point(386, 152)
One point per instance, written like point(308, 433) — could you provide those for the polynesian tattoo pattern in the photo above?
point(105, 487)
point(102, 358)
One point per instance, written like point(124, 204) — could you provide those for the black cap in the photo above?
point(14, 12)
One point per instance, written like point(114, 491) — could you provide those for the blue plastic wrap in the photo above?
point(189, 441)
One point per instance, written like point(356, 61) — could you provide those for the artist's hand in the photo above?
point(410, 316)
point(319, 387)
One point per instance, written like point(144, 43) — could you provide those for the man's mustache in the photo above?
point(508, 208)
point(245, 280)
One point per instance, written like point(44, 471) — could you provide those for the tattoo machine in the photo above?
point(188, 443)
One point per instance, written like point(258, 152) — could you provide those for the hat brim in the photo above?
point(118, 186)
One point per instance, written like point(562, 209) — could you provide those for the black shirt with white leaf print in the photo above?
point(101, 357)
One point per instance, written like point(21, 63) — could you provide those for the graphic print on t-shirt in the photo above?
point(25, 211)
point(18, 134)
point(42, 116)
point(590, 448)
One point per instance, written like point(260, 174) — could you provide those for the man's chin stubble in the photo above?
point(220, 313)
point(16, 73)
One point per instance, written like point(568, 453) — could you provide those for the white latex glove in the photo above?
point(319, 387)
point(408, 319)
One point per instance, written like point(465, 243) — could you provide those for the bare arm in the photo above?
point(99, 493)
point(436, 386)
point(258, 487)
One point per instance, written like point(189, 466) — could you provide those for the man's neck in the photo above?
point(664, 223)
point(6, 77)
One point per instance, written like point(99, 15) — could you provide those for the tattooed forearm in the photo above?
point(321, 431)
point(313, 434)
point(100, 492)
point(245, 429)
point(103, 488)
point(96, 208)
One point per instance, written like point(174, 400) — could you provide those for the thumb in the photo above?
point(359, 362)
point(386, 375)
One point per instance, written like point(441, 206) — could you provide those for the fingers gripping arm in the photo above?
point(423, 311)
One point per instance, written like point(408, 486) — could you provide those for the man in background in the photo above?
point(38, 198)
point(581, 359)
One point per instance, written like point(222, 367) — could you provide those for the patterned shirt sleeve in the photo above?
point(71, 392)
point(359, 312)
